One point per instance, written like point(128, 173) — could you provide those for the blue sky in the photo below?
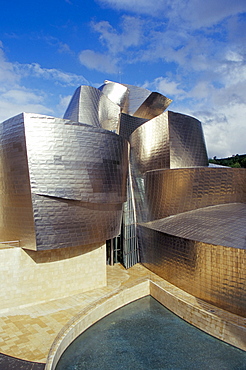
point(192, 51)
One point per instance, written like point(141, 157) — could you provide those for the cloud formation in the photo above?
point(204, 43)
point(15, 97)
point(100, 62)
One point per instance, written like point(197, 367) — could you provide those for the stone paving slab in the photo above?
point(28, 332)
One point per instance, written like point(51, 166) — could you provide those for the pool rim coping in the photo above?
point(216, 322)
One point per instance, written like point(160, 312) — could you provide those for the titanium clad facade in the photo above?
point(128, 124)
point(128, 97)
point(169, 192)
point(90, 106)
point(150, 145)
point(170, 140)
point(16, 219)
point(77, 177)
point(116, 92)
point(153, 106)
point(213, 273)
point(136, 96)
point(67, 223)
point(207, 225)
point(85, 163)
point(187, 144)
point(71, 182)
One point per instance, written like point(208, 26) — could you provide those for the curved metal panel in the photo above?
point(129, 97)
point(16, 217)
point(187, 144)
point(75, 161)
point(154, 105)
point(169, 192)
point(115, 91)
point(213, 273)
point(136, 96)
point(207, 225)
point(65, 223)
point(77, 177)
point(90, 106)
point(150, 145)
point(128, 124)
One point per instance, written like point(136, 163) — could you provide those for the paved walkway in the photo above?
point(28, 332)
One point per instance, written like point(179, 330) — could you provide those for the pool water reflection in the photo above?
point(146, 335)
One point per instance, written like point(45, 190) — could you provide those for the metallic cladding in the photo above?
point(136, 96)
point(66, 223)
point(153, 106)
point(63, 184)
point(187, 144)
point(116, 92)
point(90, 106)
point(169, 192)
point(150, 145)
point(171, 140)
point(207, 225)
point(77, 177)
point(213, 273)
point(85, 163)
point(128, 124)
point(16, 218)
point(128, 97)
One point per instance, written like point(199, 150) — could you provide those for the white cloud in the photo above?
point(118, 45)
point(100, 62)
point(167, 87)
point(15, 97)
point(7, 74)
point(35, 70)
point(130, 34)
point(194, 13)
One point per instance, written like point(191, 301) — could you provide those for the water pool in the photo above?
point(146, 335)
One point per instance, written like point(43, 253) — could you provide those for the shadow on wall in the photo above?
point(54, 255)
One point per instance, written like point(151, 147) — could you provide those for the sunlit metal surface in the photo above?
point(89, 105)
point(128, 97)
point(116, 92)
point(128, 124)
point(187, 145)
point(63, 183)
point(208, 225)
point(74, 172)
point(170, 140)
point(202, 252)
point(136, 96)
point(153, 106)
point(150, 147)
point(169, 192)
point(16, 217)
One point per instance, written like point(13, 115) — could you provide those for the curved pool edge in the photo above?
point(221, 324)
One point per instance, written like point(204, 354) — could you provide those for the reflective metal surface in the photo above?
point(136, 96)
point(64, 181)
point(89, 105)
point(207, 225)
point(16, 212)
point(128, 124)
point(153, 106)
point(77, 177)
point(128, 97)
point(170, 140)
point(214, 273)
point(116, 92)
point(169, 192)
